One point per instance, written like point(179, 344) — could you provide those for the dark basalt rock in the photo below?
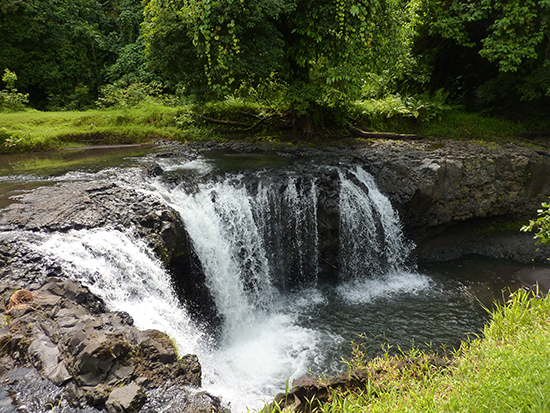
point(95, 353)
point(451, 194)
point(87, 356)
point(66, 347)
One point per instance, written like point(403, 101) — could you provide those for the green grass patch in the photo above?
point(506, 370)
point(34, 131)
point(473, 126)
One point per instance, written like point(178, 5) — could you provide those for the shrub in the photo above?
point(122, 95)
point(10, 99)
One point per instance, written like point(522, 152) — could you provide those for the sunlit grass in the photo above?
point(33, 131)
point(40, 131)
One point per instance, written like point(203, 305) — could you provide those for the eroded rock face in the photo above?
point(92, 352)
point(88, 358)
point(456, 198)
point(446, 194)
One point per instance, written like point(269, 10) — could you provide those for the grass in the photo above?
point(507, 370)
point(34, 131)
point(460, 125)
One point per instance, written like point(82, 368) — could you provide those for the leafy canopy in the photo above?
point(513, 34)
point(321, 51)
point(60, 49)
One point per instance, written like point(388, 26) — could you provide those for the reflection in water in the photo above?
point(61, 162)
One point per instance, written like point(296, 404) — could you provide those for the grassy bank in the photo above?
point(32, 131)
point(506, 370)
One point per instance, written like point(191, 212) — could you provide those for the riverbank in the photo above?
point(34, 131)
point(504, 370)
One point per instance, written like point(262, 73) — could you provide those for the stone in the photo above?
point(534, 278)
point(96, 395)
point(127, 399)
point(44, 353)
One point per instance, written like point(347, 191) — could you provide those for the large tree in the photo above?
point(321, 51)
point(496, 52)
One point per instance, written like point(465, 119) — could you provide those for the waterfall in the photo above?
point(219, 219)
point(122, 270)
point(257, 238)
point(371, 240)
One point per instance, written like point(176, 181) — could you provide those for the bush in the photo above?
point(541, 225)
point(10, 99)
point(122, 95)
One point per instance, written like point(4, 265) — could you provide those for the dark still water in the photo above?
point(435, 307)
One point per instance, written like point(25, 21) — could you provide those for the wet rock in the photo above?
point(158, 361)
point(128, 399)
point(94, 358)
point(86, 205)
point(535, 279)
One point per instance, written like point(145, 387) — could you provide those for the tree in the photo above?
point(498, 49)
point(61, 49)
point(321, 51)
point(10, 98)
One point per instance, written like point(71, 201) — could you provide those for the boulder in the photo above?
point(126, 399)
point(98, 358)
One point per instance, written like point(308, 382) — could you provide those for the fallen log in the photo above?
point(384, 135)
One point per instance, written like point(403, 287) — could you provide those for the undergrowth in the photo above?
point(125, 122)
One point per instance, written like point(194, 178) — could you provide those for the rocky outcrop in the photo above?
point(435, 183)
point(87, 357)
point(458, 198)
point(99, 355)
point(86, 205)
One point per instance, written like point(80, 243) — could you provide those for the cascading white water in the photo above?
point(219, 219)
point(123, 271)
point(371, 240)
point(260, 346)
point(287, 218)
point(248, 233)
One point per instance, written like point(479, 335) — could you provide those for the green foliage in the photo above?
point(513, 36)
point(541, 225)
point(121, 95)
point(461, 125)
point(321, 52)
point(398, 113)
point(33, 131)
point(10, 99)
point(61, 49)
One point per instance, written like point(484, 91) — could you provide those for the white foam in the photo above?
point(366, 290)
point(124, 272)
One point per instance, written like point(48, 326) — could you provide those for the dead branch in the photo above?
point(384, 135)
